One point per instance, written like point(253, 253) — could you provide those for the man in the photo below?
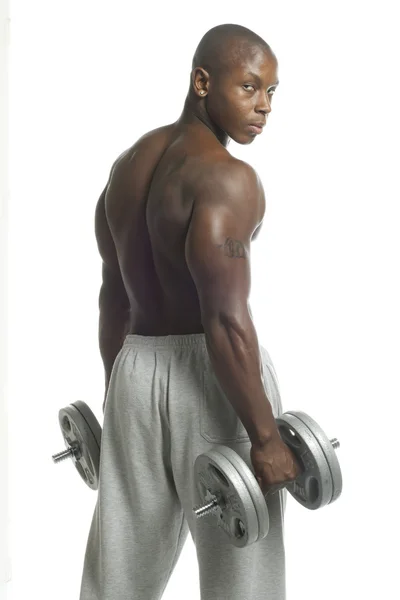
point(184, 369)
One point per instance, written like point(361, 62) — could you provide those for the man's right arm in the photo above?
point(226, 213)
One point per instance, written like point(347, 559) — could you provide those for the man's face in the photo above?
point(242, 95)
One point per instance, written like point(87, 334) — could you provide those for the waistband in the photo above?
point(186, 340)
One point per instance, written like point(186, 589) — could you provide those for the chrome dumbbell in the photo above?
point(82, 435)
point(228, 487)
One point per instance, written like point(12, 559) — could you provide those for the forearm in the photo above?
point(235, 357)
point(113, 327)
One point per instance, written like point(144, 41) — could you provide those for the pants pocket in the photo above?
point(219, 423)
point(271, 383)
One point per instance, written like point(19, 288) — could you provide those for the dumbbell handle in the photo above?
point(71, 452)
point(206, 509)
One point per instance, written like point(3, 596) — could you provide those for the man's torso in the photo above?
point(149, 202)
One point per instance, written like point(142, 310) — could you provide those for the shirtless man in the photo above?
point(184, 369)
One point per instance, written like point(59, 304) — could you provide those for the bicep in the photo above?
point(112, 282)
point(218, 257)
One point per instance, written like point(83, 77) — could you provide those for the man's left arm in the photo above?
point(113, 327)
point(113, 300)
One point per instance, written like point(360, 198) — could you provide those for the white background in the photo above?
point(4, 172)
point(87, 79)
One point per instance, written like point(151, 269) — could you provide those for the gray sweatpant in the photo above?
point(164, 407)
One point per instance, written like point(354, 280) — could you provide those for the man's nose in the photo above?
point(264, 105)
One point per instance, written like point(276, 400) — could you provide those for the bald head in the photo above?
point(225, 46)
point(234, 76)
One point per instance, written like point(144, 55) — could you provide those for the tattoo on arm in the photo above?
point(233, 248)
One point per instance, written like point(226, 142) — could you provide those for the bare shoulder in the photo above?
point(228, 182)
point(146, 149)
point(229, 172)
point(147, 140)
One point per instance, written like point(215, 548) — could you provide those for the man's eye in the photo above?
point(248, 86)
point(271, 92)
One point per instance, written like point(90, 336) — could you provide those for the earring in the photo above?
point(202, 92)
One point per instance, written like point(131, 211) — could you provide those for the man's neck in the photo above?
point(195, 113)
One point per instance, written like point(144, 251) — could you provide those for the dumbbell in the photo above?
point(229, 489)
point(226, 484)
point(82, 436)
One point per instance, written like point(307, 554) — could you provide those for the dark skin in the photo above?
point(150, 287)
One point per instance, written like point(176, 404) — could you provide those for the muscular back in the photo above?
point(147, 208)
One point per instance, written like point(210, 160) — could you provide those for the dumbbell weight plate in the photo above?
point(313, 487)
point(215, 476)
point(328, 450)
point(251, 483)
point(81, 430)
